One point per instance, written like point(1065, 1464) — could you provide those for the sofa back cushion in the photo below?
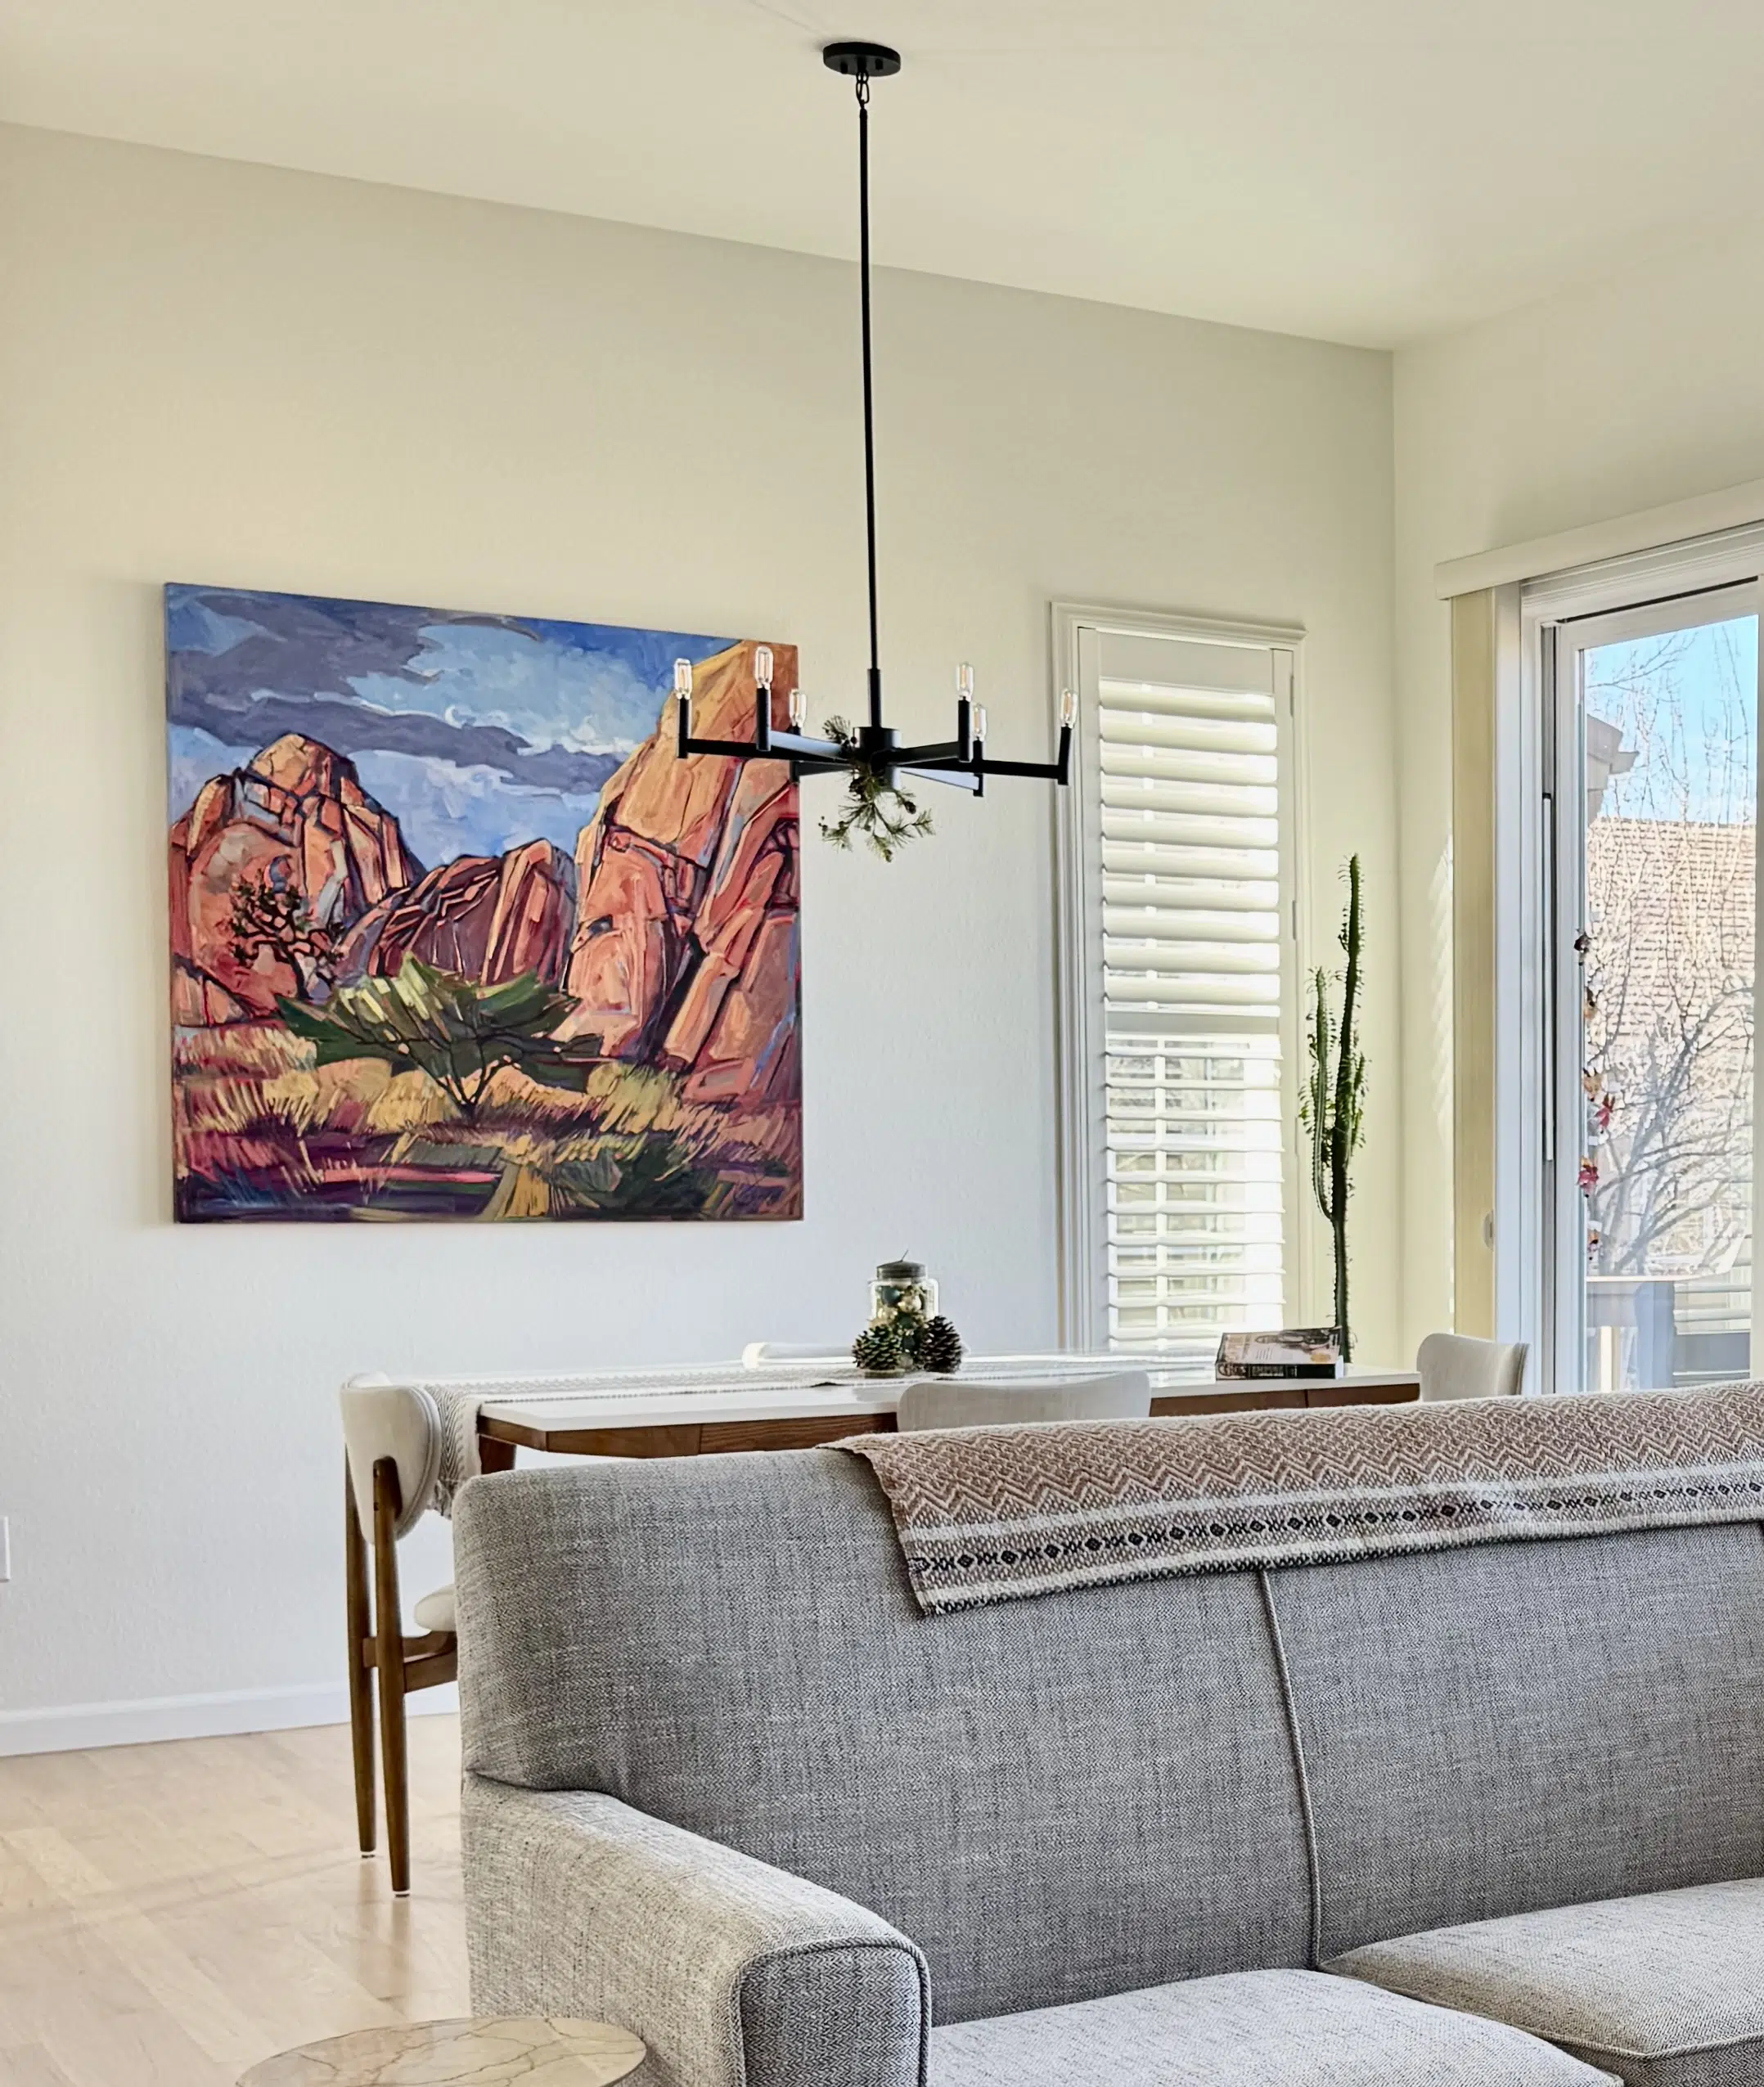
point(1056, 1799)
point(1498, 1730)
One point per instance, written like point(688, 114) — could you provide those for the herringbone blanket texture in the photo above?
point(993, 1514)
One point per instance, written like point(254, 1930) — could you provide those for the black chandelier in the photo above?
point(872, 750)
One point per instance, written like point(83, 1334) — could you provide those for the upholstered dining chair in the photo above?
point(1454, 1366)
point(952, 1402)
point(391, 1445)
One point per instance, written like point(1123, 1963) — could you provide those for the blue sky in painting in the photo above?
point(477, 732)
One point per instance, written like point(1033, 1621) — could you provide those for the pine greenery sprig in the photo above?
point(878, 809)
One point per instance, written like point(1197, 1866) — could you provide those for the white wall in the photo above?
point(1612, 396)
point(222, 373)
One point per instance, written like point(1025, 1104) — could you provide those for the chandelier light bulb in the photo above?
point(964, 682)
point(682, 679)
point(798, 709)
point(762, 665)
point(980, 721)
point(1068, 709)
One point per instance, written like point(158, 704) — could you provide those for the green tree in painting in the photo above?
point(459, 1032)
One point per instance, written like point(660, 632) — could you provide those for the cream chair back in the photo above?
point(768, 1355)
point(1454, 1366)
point(401, 1421)
point(950, 1402)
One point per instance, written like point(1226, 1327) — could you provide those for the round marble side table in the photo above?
point(446, 2053)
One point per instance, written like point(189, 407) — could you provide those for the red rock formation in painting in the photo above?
point(488, 917)
point(297, 814)
point(199, 1001)
point(685, 951)
point(682, 950)
point(735, 1027)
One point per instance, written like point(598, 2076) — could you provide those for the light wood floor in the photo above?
point(170, 1914)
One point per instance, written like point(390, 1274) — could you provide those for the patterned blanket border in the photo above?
point(993, 1514)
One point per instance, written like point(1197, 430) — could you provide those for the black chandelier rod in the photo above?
point(961, 761)
point(870, 432)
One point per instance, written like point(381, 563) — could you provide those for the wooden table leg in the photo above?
point(389, 1657)
point(359, 1615)
point(494, 1456)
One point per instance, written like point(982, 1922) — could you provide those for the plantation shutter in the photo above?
point(1189, 975)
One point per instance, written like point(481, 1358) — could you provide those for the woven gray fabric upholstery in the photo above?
point(1055, 1799)
point(1488, 1732)
point(1249, 2029)
point(855, 2007)
point(1666, 1989)
point(734, 1975)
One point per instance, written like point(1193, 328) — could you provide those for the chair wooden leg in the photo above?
point(388, 1644)
point(359, 1617)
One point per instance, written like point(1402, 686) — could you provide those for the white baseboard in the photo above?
point(72, 1727)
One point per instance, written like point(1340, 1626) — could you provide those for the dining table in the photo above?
point(696, 1410)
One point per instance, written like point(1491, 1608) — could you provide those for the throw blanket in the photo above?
point(993, 1514)
point(457, 1417)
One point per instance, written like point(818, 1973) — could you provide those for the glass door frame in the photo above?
point(1562, 827)
point(1524, 616)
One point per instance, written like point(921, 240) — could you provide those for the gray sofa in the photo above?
point(1485, 1818)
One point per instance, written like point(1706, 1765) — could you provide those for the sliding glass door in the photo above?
point(1649, 858)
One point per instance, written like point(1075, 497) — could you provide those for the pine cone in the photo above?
point(939, 1347)
point(877, 1351)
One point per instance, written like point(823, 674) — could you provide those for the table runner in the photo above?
point(454, 1403)
point(994, 1515)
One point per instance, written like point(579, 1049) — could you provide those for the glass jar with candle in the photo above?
point(902, 1286)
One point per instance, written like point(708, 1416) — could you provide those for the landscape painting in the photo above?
point(454, 931)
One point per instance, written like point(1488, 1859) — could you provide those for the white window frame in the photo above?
point(1529, 966)
point(1076, 629)
point(1563, 1229)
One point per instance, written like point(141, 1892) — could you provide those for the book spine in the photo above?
point(1255, 1371)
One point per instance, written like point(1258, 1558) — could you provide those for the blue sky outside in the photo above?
point(476, 732)
point(1687, 704)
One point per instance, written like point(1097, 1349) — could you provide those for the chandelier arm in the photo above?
point(800, 747)
point(947, 753)
point(805, 754)
point(870, 437)
point(955, 778)
point(1046, 771)
point(743, 749)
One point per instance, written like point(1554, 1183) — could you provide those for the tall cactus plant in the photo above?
point(1331, 1109)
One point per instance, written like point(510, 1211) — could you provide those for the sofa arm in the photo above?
point(734, 1973)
